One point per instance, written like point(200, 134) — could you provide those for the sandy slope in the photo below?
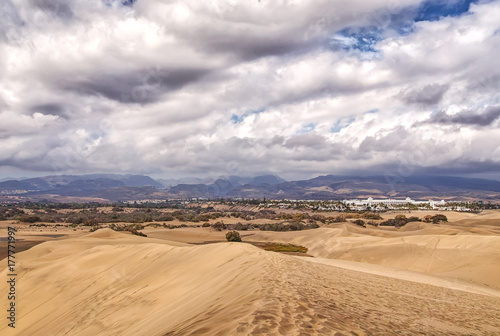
point(109, 283)
point(463, 256)
point(467, 249)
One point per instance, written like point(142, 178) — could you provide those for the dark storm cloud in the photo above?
point(56, 8)
point(10, 20)
point(485, 118)
point(312, 141)
point(486, 84)
point(249, 50)
point(461, 166)
point(428, 95)
point(142, 87)
point(52, 109)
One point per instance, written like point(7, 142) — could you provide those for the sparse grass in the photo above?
point(277, 247)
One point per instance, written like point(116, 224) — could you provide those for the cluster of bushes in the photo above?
point(171, 226)
point(400, 220)
point(218, 226)
point(371, 215)
point(342, 218)
point(283, 226)
point(435, 219)
point(360, 222)
point(243, 227)
point(10, 213)
point(38, 225)
point(338, 219)
point(248, 215)
point(95, 228)
point(132, 228)
point(29, 219)
point(45, 225)
point(292, 226)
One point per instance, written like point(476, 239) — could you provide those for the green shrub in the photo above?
point(94, 228)
point(233, 236)
point(90, 222)
point(165, 218)
point(340, 219)
point(219, 226)
point(137, 233)
point(395, 222)
point(370, 215)
point(439, 218)
point(242, 227)
point(360, 222)
point(29, 219)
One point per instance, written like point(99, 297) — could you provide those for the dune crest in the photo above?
point(105, 233)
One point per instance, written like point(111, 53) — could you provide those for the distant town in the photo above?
point(369, 204)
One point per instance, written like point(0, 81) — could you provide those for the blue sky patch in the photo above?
point(308, 128)
point(339, 125)
point(236, 119)
point(129, 3)
point(433, 10)
point(363, 39)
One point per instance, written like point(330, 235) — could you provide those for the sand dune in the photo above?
point(463, 250)
point(461, 257)
point(109, 283)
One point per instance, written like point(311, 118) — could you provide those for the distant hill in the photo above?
point(27, 184)
point(337, 187)
point(76, 185)
point(234, 180)
point(116, 187)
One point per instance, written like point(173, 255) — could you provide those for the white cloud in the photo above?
point(219, 87)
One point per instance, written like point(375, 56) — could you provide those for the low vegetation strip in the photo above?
point(278, 247)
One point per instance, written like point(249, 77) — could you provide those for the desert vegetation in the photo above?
point(96, 215)
point(279, 247)
point(233, 236)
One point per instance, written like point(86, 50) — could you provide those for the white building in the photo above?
point(391, 202)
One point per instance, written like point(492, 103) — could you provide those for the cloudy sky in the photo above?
point(297, 88)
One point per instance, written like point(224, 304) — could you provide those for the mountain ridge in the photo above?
point(116, 187)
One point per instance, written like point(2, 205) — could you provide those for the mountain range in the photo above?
point(114, 187)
